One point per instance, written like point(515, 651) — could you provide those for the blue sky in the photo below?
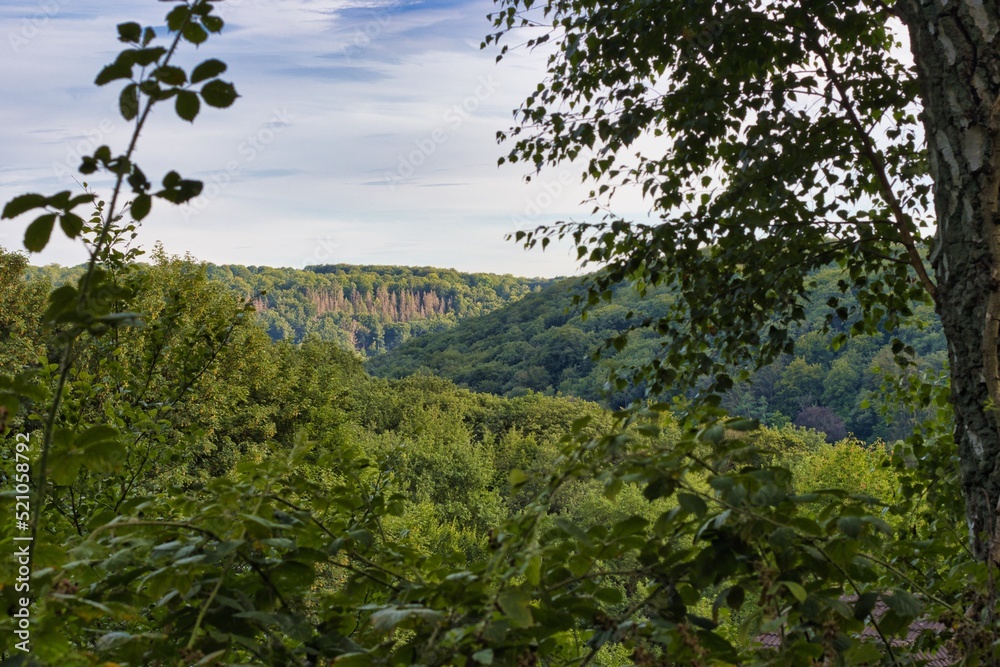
point(364, 134)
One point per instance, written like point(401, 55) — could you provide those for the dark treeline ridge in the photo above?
point(369, 309)
point(509, 336)
point(542, 344)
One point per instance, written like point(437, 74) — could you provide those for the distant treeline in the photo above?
point(542, 344)
point(369, 309)
point(510, 336)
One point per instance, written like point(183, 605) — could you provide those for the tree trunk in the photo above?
point(956, 48)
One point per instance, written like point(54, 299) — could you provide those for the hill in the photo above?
point(508, 336)
point(537, 344)
point(541, 343)
point(369, 309)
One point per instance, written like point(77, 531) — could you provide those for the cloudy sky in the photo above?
point(364, 134)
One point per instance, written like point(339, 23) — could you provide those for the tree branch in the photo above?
point(868, 149)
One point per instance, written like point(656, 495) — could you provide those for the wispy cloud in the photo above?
point(361, 84)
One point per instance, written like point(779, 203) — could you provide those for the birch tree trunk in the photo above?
point(956, 48)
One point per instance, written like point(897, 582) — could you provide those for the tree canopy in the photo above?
point(772, 139)
point(195, 494)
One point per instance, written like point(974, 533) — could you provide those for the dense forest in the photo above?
point(420, 472)
point(198, 473)
point(510, 336)
point(542, 343)
point(370, 309)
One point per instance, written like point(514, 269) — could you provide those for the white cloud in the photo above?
point(372, 123)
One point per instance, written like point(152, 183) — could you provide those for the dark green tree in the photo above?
point(20, 305)
point(773, 140)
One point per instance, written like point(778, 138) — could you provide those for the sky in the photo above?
point(364, 134)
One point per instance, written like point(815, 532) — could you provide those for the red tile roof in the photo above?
point(941, 658)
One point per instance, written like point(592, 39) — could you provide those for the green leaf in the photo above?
point(209, 69)
point(517, 478)
point(692, 504)
point(194, 33)
point(213, 23)
point(112, 72)
point(23, 203)
point(218, 94)
point(533, 570)
point(212, 658)
point(865, 604)
point(714, 433)
point(129, 33)
point(388, 619)
point(65, 458)
point(483, 657)
point(79, 199)
point(146, 57)
point(903, 603)
point(609, 595)
point(740, 424)
point(61, 300)
point(864, 653)
point(141, 206)
point(797, 591)
point(71, 224)
point(515, 604)
point(170, 75)
point(187, 105)
point(177, 16)
point(850, 525)
point(36, 237)
point(60, 200)
point(178, 190)
point(95, 435)
point(105, 456)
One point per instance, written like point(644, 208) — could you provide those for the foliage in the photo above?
point(542, 343)
point(370, 309)
point(20, 304)
point(201, 495)
point(773, 140)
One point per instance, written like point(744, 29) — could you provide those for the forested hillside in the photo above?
point(508, 336)
point(183, 489)
point(370, 309)
point(228, 435)
point(542, 344)
point(538, 344)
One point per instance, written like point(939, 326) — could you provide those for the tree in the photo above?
point(20, 304)
point(773, 140)
point(306, 552)
point(822, 419)
point(800, 386)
